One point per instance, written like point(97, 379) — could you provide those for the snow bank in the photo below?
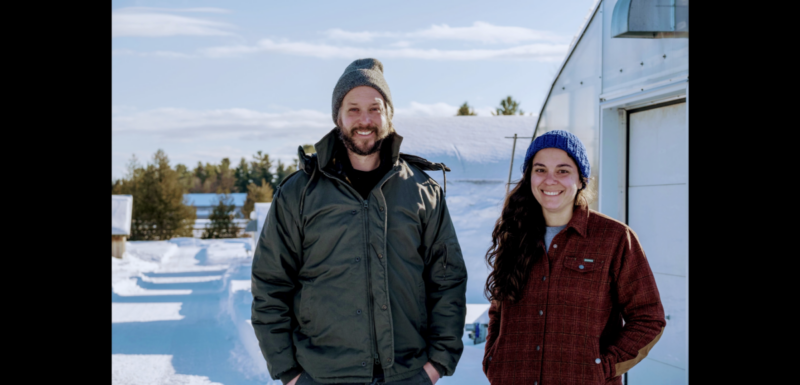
point(151, 251)
point(262, 209)
point(145, 312)
point(474, 148)
point(148, 369)
point(477, 313)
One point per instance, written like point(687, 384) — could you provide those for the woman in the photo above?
point(564, 278)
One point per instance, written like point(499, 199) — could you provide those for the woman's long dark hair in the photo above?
point(517, 240)
point(515, 243)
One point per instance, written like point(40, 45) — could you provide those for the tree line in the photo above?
point(160, 211)
point(508, 106)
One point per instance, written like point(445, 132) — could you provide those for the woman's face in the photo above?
point(555, 180)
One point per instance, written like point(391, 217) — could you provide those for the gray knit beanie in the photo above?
point(362, 72)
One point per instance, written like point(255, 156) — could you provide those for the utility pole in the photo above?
point(513, 149)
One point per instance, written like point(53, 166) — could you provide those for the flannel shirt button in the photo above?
point(538, 347)
point(555, 246)
point(596, 360)
point(536, 383)
point(580, 267)
point(544, 278)
point(490, 358)
point(541, 312)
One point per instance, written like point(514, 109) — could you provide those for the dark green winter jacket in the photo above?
point(340, 282)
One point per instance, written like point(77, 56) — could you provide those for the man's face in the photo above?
point(363, 121)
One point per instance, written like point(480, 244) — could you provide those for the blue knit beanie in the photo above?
point(563, 140)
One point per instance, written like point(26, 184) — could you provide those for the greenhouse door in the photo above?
point(658, 211)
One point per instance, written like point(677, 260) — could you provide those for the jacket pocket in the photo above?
point(306, 317)
point(448, 262)
point(580, 280)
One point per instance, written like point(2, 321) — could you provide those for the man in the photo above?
point(358, 276)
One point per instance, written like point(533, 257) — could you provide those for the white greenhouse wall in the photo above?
point(642, 176)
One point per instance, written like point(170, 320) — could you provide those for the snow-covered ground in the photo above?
point(180, 309)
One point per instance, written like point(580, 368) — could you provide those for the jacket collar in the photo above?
point(327, 147)
point(580, 219)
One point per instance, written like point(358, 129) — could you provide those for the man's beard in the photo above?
point(351, 145)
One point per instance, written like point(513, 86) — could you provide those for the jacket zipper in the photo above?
point(365, 207)
point(372, 332)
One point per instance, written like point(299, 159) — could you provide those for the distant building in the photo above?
point(476, 322)
point(205, 203)
point(121, 213)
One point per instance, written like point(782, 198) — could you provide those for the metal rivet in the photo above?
point(620, 70)
point(363, 363)
point(580, 267)
point(642, 63)
point(388, 360)
point(358, 259)
point(353, 212)
point(665, 56)
point(358, 311)
point(380, 255)
point(381, 208)
point(383, 307)
point(581, 82)
point(563, 88)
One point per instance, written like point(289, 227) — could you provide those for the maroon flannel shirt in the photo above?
point(568, 327)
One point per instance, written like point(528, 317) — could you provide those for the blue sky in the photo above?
point(205, 80)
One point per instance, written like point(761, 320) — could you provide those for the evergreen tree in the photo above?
point(256, 194)
point(465, 110)
point(508, 107)
point(226, 182)
point(200, 173)
point(282, 171)
point(159, 211)
point(242, 176)
point(260, 169)
point(222, 225)
point(185, 176)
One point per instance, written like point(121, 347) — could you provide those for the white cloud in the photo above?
point(168, 54)
point(153, 22)
point(339, 34)
point(538, 52)
point(188, 125)
point(153, 9)
point(478, 32)
point(435, 109)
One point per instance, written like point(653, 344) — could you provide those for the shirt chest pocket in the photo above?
point(580, 280)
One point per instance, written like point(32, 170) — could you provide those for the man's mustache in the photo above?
point(368, 128)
